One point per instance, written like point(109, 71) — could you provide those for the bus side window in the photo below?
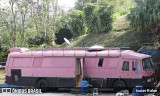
point(133, 66)
point(125, 66)
point(136, 66)
point(100, 63)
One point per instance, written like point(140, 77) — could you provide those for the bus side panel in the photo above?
point(53, 72)
point(55, 67)
point(59, 72)
point(109, 68)
point(101, 76)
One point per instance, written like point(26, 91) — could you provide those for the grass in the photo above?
point(121, 23)
point(2, 76)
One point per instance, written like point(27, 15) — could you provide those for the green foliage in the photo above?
point(144, 15)
point(98, 18)
point(61, 21)
point(94, 18)
point(146, 18)
point(5, 39)
point(24, 19)
point(75, 22)
point(72, 20)
point(80, 3)
point(39, 39)
point(3, 54)
point(120, 7)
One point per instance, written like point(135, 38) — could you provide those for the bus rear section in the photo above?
point(44, 71)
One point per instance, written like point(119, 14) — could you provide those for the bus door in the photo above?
point(125, 69)
point(136, 71)
point(79, 70)
point(125, 72)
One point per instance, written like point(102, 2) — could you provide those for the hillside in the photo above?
point(120, 36)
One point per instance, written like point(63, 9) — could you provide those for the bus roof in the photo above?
point(83, 52)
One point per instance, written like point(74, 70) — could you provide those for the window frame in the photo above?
point(134, 67)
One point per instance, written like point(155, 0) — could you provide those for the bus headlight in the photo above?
point(149, 80)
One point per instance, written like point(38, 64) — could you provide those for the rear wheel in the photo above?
point(119, 85)
point(43, 85)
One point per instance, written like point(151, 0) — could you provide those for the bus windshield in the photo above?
point(147, 64)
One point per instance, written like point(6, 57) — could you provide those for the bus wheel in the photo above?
point(42, 84)
point(119, 85)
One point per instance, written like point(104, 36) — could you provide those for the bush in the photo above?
point(76, 22)
point(73, 21)
point(94, 18)
point(37, 40)
point(3, 54)
point(98, 18)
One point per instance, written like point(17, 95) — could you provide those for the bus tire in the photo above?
point(119, 85)
point(42, 84)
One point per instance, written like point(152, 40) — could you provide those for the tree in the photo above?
point(73, 20)
point(80, 3)
point(145, 18)
point(9, 22)
point(25, 19)
point(98, 18)
point(44, 19)
point(76, 22)
point(23, 6)
point(14, 19)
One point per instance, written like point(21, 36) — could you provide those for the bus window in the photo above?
point(125, 66)
point(136, 66)
point(147, 64)
point(100, 63)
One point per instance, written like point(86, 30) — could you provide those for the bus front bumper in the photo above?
point(150, 85)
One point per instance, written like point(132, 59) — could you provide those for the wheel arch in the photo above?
point(41, 78)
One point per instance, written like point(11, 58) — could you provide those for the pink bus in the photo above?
point(103, 67)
